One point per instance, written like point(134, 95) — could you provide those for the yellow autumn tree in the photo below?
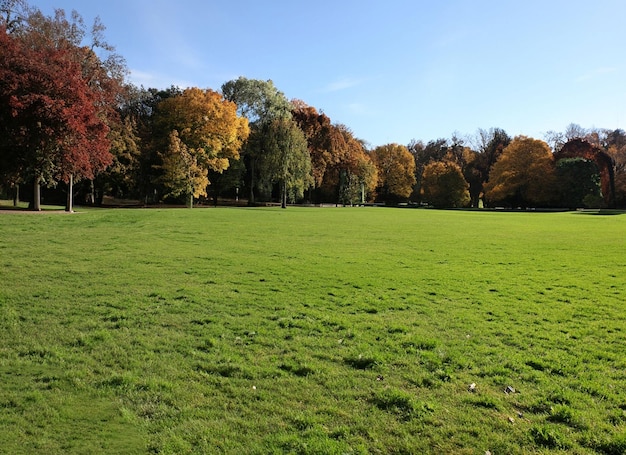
point(444, 186)
point(182, 173)
point(396, 171)
point(523, 175)
point(200, 130)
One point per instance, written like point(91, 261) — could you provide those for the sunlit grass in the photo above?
point(312, 331)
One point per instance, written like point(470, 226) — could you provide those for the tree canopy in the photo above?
point(286, 160)
point(396, 171)
point(204, 133)
point(444, 186)
point(523, 175)
point(261, 103)
point(52, 127)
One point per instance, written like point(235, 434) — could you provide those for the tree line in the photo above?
point(69, 120)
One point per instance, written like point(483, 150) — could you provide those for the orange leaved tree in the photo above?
point(523, 175)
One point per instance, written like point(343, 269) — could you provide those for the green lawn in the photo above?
point(312, 331)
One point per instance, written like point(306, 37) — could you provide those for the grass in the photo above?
point(312, 331)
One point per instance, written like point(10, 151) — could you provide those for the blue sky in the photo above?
point(392, 70)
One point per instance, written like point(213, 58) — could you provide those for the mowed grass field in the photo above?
point(312, 331)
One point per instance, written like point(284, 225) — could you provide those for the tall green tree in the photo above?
point(261, 103)
point(286, 160)
point(141, 107)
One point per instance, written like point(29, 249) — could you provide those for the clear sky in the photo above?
point(391, 70)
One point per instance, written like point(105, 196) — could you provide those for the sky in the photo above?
point(392, 71)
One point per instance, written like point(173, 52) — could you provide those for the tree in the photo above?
point(444, 186)
point(434, 150)
point(492, 144)
point(349, 167)
point(342, 170)
point(258, 101)
point(615, 147)
point(396, 171)
point(84, 82)
point(183, 174)
point(574, 131)
point(140, 107)
point(523, 175)
point(52, 129)
point(286, 160)
point(204, 133)
point(582, 148)
point(121, 179)
point(473, 175)
point(578, 183)
point(318, 129)
point(361, 183)
point(13, 13)
point(261, 103)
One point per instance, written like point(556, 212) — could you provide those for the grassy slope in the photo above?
point(312, 331)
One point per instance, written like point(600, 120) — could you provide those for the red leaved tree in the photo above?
point(50, 122)
point(57, 101)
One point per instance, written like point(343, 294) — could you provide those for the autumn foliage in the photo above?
point(342, 169)
point(443, 185)
point(50, 122)
point(204, 133)
point(523, 175)
point(396, 171)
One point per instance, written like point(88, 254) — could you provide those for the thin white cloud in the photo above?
point(342, 84)
point(596, 73)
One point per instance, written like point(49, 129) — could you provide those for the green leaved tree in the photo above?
point(286, 160)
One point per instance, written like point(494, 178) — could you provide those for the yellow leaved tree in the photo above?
point(201, 131)
point(523, 176)
point(396, 172)
point(444, 186)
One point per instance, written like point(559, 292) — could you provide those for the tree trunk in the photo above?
point(92, 193)
point(37, 195)
point(16, 194)
point(69, 205)
point(190, 201)
point(283, 195)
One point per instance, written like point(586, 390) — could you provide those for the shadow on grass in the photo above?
point(604, 212)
